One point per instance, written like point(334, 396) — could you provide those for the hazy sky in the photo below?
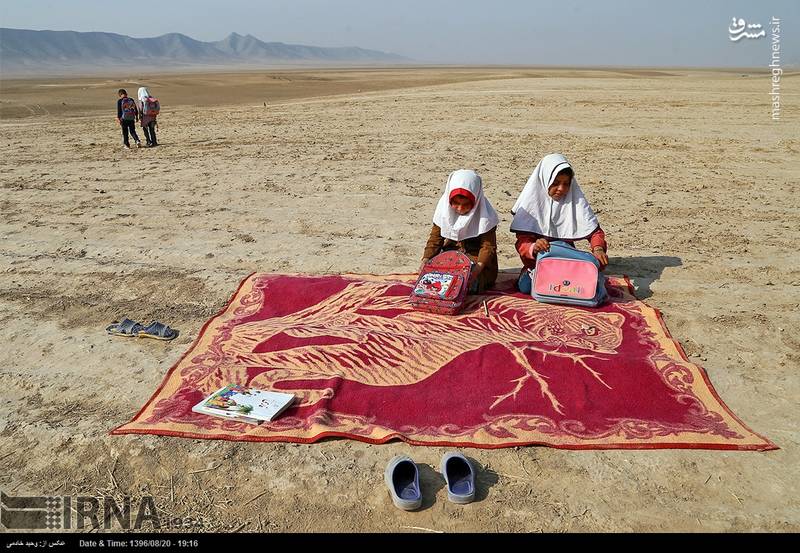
point(536, 32)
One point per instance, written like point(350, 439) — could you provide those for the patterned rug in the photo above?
point(365, 366)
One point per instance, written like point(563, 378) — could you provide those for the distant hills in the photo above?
point(24, 50)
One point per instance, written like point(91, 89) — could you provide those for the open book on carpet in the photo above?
point(244, 404)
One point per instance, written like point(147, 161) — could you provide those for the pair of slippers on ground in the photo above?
point(402, 479)
point(129, 328)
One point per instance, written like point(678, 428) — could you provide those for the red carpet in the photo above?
point(365, 366)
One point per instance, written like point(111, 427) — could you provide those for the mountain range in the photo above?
point(26, 50)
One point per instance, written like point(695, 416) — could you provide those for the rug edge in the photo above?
point(771, 445)
point(391, 437)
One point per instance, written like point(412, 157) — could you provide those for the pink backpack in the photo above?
point(569, 276)
point(442, 284)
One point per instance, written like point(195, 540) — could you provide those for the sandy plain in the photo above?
point(338, 171)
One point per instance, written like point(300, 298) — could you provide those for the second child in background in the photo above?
point(464, 220)
point(552, 207)
point(150, 108)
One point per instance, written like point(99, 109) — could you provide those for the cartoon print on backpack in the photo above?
point(128, 109)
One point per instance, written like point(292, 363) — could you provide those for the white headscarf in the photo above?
point(481, 218)
point(144, 94)
point(570, 218)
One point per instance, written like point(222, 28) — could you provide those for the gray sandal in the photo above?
point(126, 327)
point(158, 331)
point(402, 478)
point(459, 474)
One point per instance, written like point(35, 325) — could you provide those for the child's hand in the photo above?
point(541, 245)
point(600, 254)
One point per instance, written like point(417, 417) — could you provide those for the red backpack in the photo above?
point(442, 284)
point(151, 107)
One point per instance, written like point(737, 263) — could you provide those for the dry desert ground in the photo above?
point(338, 171)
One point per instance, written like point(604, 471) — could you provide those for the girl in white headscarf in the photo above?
point(148, 120)
point(552, 207)
point(464, 220)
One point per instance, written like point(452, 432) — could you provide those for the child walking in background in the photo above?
point(150, 108)
point(127, 115)
point(552, 207)
point(464, 220)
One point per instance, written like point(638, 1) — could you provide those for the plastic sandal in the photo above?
point(126, 327)
point(402, 479)
point(459, 474)
point(157, 331)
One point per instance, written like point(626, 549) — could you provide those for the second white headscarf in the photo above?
point(144, 94)
point(570, 218)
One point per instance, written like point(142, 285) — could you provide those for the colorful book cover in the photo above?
point(245, 404)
